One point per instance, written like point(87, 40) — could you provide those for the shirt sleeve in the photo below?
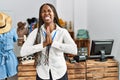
point(28, 47)
point(68, 45)
point(15, 36)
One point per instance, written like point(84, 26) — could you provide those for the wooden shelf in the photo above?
point(83, 43)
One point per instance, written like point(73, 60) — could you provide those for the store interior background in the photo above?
point(100, 17)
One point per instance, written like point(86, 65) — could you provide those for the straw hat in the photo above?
point(5, 23)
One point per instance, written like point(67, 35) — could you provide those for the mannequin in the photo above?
point(22, 32)
point(8, 35)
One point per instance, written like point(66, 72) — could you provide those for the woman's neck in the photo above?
point(51, 27)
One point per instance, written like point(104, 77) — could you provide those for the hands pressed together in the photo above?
point(48, 38)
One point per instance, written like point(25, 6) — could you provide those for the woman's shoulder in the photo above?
point(34, 31)
point(61, 28)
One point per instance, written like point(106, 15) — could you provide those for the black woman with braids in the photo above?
point(50, 42)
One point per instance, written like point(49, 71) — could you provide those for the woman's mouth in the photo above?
point(47, 18)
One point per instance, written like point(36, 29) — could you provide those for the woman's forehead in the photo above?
point(46, 7)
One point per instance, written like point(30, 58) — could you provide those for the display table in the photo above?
point(26, 71)
point(91, 69)
point(107, 70)
point(76, 71)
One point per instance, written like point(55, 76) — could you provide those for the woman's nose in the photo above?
point(46, 12)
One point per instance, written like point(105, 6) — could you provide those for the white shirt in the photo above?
point(57, 63)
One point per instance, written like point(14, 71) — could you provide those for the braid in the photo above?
point(37, 41)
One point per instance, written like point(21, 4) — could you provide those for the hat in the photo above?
point(5, 23)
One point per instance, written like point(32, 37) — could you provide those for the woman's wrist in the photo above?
point(44, 44)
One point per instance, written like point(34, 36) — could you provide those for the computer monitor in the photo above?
point(102, 48)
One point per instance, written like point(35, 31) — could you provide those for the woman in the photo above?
point(50, 41)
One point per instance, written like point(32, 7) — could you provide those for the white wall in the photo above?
point(65, 9)
point(75, 11)
point(104, 22)
point(80, 15)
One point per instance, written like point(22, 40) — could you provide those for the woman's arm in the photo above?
point(68, 45)
point(28, 47)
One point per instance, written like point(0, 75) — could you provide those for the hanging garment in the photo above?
point(8, 60)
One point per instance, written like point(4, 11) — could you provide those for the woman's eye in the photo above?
point(49, 10)
point(43, 11)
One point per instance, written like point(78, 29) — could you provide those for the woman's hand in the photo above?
point(48, 37)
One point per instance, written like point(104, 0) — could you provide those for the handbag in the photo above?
point(82, 34)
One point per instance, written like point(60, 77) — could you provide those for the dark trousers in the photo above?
point(65, 77)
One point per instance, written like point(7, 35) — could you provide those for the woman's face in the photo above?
point(47, 14)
